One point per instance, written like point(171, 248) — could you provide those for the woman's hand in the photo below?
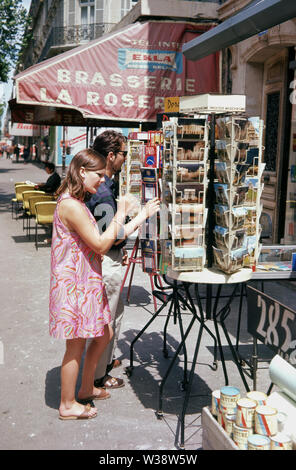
point(124, 261)
point(127, 204)
point(148, 210)
point(151, 207)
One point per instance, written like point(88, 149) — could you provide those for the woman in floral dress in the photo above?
point(78, 304)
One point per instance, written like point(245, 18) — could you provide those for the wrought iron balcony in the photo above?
point(77, 34)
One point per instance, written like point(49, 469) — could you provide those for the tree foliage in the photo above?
point(13, 23)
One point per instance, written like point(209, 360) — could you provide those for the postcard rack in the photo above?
point(184, 184)
point(211, 187)
point(149, 231)
point(139, 176)
point(238, 172)
point(130, 175)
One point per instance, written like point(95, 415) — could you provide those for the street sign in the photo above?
point(272, 323)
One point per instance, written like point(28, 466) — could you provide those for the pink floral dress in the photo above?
point(78, 305)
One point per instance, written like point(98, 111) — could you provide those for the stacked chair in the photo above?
point(35, 204)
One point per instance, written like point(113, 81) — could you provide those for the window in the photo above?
point(87, 19)
point(126, 5)
point(87, 8)
point(99, 11)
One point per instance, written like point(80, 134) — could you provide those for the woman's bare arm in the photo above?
point(75, 217)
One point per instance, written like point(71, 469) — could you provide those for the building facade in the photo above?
point(57, 26)
point(60, 25)
point(260, 68)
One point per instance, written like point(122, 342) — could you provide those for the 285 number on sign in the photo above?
point(272, 323)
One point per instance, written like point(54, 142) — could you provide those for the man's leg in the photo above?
point(112, 278)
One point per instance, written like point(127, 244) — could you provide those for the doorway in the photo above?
point(277, 119)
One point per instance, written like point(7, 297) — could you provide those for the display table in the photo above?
point(181, 282)
point(180, 297)
point(273, 275)
point(211, 276)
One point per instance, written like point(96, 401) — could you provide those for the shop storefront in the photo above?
point(145, 64)
point(258, 40)
point(290, 210)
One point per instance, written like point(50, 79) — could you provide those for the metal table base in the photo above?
point(182, 282)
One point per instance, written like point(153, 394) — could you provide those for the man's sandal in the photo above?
point(114, 364)
point(112, 382)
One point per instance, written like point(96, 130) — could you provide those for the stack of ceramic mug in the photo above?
point(249, 421)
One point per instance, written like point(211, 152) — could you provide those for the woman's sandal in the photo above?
point(103, 395)
point(84, 415)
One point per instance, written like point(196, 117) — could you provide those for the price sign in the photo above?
point(272, 323)
point(171, 105)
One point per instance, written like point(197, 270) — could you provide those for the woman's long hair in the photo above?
point(73, 182)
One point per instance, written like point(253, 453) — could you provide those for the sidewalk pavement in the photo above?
point(30, 368)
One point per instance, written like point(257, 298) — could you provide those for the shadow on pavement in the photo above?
point(53, 388)
point(139, 296)
point(150, 366)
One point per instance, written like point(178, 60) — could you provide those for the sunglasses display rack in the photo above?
point(237, 185)
point(184, 184)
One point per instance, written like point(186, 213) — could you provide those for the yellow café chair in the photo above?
point(32, 210)
point(26, 212)
point(44, 216)
point(17, 201)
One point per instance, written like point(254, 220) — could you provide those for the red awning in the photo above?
point(123, 76)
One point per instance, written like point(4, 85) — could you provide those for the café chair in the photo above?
point(26, 195)
point(17, 201)
point(44, 216)
point(31, 212)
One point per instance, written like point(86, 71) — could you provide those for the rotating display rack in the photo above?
point(238, 188)
point(184, 184)
point(212, 171)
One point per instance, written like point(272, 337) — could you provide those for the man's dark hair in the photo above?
point(108, 141)
point(50, 166)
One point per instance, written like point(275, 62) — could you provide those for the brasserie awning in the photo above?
point(121, 78)
point(259, 16)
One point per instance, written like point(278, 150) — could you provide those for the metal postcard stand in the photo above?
point(251, 257)
point(185, 264)
point(130, 181)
